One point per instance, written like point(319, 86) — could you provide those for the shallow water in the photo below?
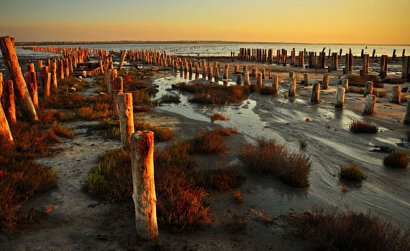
point(330, 144)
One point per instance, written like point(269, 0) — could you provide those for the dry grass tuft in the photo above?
point(269, 157)
point(397, 159)
point(349, 231)
point(363, 127)
point(352, 172)
point(219, 116)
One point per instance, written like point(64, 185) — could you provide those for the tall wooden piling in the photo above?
point(275, 84)
point(340, 97)
point(247, 80)
point(144, 196)
point(292, 88)
point(239, 79)
point(315, 97)
point(370, 105)
point(11, 61)
point(306, 79)
point(123, 55)
point(326, 82)
point(396, 94)
point(32, 84)
point(126, 117)
point(259, 82)
point(9, 102)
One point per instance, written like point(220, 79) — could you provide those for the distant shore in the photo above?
point(184, 42)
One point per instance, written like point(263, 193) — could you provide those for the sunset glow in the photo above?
point(299, 21)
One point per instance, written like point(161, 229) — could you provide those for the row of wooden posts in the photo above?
point(141, 143)
point(320, 61)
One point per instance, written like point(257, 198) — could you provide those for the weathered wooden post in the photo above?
point(144, 196)
point(406, 68)
point(239, 79)
point(340, 97)
point(236, 69)
point(407, 117)
point(383, 66)
point(32, 84)
point(9, 102)
point(315, 97)
point(326, 82)
point(368, 90)
point(123, 55)
point(126, 116)
point(53, 72)
point(61, 69)
point(247, 80)
point(259, 82)
point(117, 87)
point(5, 133)
point(345, 84)
point(210, 74)
point(67, 67)
point(370, 105)
point(306, 79)
point(292, 75)
point(46, 85)
point(11, 61)
point(226, 73)
point(275, 84)
point(396, 94)
point(292, 88)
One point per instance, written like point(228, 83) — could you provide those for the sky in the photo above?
point(297, 21)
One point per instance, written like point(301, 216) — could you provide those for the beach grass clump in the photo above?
point(95, 112)
point(111, 180)
point(270, 157)
point(236, 223)
point(51, 115)
point(397, 159)
point(169, 99)
point(349, 231)
point(352, 172)
point(220, 180)
point(219, 116)
point(209, 142)
point(161, 134)
point(213, 93)
point(363, 127)
point(62, 131)
point(20, 177)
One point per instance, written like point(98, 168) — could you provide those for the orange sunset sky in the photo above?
point(310, 21)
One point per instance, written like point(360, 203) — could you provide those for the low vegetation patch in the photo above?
point(161, 134)
point(219, 116)
point(349, 231)
point(209, 142)
point(95, 112)
point(269, 157)
point(363, 127)
point(168, 99)
point(182, 190)
point(352, 172)
point(397, 159)
point(214, 93)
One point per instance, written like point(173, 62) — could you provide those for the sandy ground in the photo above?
point(78, 221)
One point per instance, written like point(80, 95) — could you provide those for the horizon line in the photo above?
point(189, 41)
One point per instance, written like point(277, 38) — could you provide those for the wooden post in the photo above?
point(368, 88)
point(5, 133)
point(259, 82)
point(326, 82)
point(32, 84)
point(275, 84)
point(144, 196)
point(396, 94)
point(292, 75)
point(11, 61)
point(61, 69)
point(239, 79)
point(315, 97)
point(370, 105)
point(407, 117)
point(46, 85)
point(345, 84)
point(292, 88)
point(383, 66)
point(9, 102)
point(340, 97)
point(123, 55)
point(53, 72)
point(126, 116)
point(67, 67)
point(247, 81)
point(306, 79)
